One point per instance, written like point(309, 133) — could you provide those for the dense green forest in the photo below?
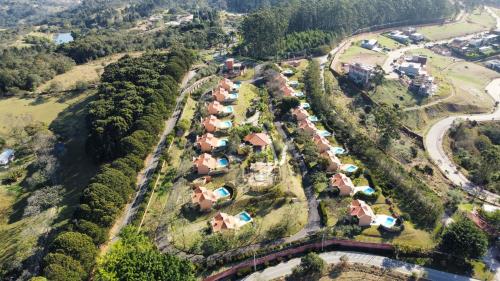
point(26, 68)
point(125, 118)
point(265, 30)
point(476, 148)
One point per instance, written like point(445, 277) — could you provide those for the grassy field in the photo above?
point(475, 22)
point(20, 237)
point(247, 94)
point(394, 92)
point(88, 72)
point(356, 54)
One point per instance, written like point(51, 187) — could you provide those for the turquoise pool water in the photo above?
point(222, 142)
point(351, 168)
point(223, 162)
point(294, 83)
point(62, 38)
point(233, 96)
point(229, 109)
point(324, 133)
point(226, 124)
point(389, 222)
point(368, 190)
point(313, 118)
point(305, 105)
point(299, 94)
point(222, 192)
point(244, 216)
point(288, 72)
point(338, 150)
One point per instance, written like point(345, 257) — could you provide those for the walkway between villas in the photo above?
point(286, 268)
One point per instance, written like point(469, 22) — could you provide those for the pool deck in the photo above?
point(381, 219)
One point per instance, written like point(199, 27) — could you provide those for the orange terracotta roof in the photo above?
point(205, 160)
point(258, 139)
point(223, 221)
point(341, 180)
point(201, 194)
point(215, 107)
point(359, 208)
point(208, 139)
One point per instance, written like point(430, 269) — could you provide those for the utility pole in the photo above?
point(254, 262)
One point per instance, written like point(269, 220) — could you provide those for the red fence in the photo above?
point(354, 245)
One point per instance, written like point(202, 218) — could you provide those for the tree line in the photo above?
point(415, 197)
point(265, 30)
point(125, 120)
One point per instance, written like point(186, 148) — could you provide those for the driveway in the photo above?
point(286, 268)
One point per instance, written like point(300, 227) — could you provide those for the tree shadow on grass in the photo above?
point(76, 167)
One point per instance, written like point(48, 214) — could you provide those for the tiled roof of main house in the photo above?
point(340, 180)
point(359, 208)
point(215, 107)
point(223, 221)
point(200, 194)
point(258, 139)
point(205, 160)
point(207, 139)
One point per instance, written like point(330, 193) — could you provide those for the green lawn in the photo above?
point(247, 94)
point(473, 23)
point(356, 54)
point(248, 75)
point(394, 92)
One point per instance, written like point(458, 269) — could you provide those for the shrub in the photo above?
point(43, 199)
point(60, 267)
point(76, 245)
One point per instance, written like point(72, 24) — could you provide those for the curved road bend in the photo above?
point(152, 161)
point(286, 268)
point(434, 145)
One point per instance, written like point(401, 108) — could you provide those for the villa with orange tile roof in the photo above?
point(333, 162)
point(322, 143)
point(220, 94)
point(205, 164)
point(215, 108)
point(307, 126)
point(300, 114)
point(208, 142)
point(223, 221)
point(343, 183)
point(260, 140)
point(226, 84)
point(204, 198)
point(210, 123)
point(362, 211)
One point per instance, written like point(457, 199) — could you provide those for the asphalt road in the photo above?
point(286, 268)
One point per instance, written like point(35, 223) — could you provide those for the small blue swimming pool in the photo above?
point(305, 105)
point(244, 216)
point(223, 162)
point(299, 94)
point(222, 192)
point(226, 124)
point(313, 118)
point(368, 190)
point(351, 168)
point(233, 96)
point(338, 150)
point(229, 109)
point(324, 133)
point(288, 72)
point(222, 142)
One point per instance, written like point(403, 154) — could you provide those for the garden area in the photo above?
point(175, 218)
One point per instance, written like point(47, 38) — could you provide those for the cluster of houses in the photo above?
point(483, 44)
point(414, 67)
point(288, 87)
point(406, 36)
point(223, 96)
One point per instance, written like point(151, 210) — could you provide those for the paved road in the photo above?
point(286, 268)
point(151, 162)
point(434, 145)
point(434, 141)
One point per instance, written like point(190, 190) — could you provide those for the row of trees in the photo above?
point(264, 31)
point(135, 96)
point(415, 197)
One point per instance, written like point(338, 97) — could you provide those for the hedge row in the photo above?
point(134, 99)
